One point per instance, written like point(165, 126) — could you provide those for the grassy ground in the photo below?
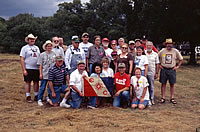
point(17, 115)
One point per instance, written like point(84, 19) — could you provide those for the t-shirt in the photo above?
point(125, 60)
point(121, 81)
point(108, 52)
point(46, 60)
point(85, 46)
point(142, 84)
point(95, 55)
point(153, 60)
point(168, 58)
point(76, 79)
point(108, 73)
point(59, 51)
point(31, 55)
point(57, 75)
point(141, 61)
point(96, 75)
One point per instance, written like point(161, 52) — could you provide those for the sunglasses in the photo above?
point(55, 41)
point(124, 48)
point(113, 44)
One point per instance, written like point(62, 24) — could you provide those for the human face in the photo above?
point(59, 63)
point(85, 39)
point(149, 46)
point(114, 46)
point(105, 64)
point(131, 46)
point(124, 49)
point(31, 41)
point(98, 69)
point(139, 51)
point(122, 70)
point(138, 73)
point(144, 41)
point(61, 41)
point(114, 57)
point(169, 46)
point(56, 41)
point(97, 41)
point(75, 44)
point(81, 68)
point(49, 47)
point(105, 43)
point(120, 41)
point(137, 43)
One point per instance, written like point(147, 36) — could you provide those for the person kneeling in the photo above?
point(56, 77)
point(139, 85)
point(122, 84)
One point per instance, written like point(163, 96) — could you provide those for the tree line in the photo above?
point(158, 19)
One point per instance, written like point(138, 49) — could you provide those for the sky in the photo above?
point(38, 8)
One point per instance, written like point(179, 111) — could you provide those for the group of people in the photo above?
point(133, 66)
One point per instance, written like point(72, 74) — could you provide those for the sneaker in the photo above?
point(91, 107)
point(40, 102)
point(153, 102)
point(64, 105)
point(36, 98)
point(149, 104)
point(28, 99)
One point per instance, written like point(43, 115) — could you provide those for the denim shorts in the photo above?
point(137, 102)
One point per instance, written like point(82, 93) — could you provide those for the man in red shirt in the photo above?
point(122, 84)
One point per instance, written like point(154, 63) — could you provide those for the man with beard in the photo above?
point(108, 51)
point(57, 49)
point(168, 57)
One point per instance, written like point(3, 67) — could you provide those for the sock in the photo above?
point(28, 94)
point(36, 93)
point(64, 100)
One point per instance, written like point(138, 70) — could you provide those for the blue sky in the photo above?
point(39, 8)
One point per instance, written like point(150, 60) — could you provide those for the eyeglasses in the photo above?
point(124, 48)
point(56, 41)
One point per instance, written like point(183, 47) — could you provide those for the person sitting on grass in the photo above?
point(122, 84)
point(139, 86)
point(56, 77)
point(45, 62)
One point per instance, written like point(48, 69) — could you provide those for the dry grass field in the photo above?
point(17, 115)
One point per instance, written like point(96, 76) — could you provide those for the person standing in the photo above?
point(95, 54)
point(108, 51)
point(57, 49)
point(153, 69)
point(45, 62)
point(85, 44)
point(168, 57)
point(28, 57)
point(62, 45)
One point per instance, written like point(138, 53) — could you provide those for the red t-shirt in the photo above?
point(121, 81)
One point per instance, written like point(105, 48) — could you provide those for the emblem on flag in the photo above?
point(94, 86)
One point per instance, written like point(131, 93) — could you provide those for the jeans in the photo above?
point(123, 95)
point(43, 84)
point(92, 101)
point(150, 79)
point(90, 69)
point(76, 100)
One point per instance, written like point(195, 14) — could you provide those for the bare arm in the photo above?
point(51, 88)
point(157, 71)
point(143, 94)
point(23, 66)
point(87, 64)
point(124, 89)
point(146, 70)
point(40, 68)
point(76, 89)
point(179, 64)
point(131, 67)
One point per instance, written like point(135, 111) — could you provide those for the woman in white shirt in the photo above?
point(106, 70)
point(141, 60)
point(139, 86)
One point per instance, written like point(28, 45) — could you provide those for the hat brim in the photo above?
point(26, 39)
point(44, 45)
point(164, 43)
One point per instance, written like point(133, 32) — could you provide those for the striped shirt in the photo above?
point(57, 75)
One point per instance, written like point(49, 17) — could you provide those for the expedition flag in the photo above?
point(94, 86)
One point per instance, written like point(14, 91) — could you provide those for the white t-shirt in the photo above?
point(108, 52)
point(59, 51)
point(142, 84)
point(140, 61)
point(108, 73)
point(31, 55)
point(76, 79)
point(153, 59)
point(85, 46)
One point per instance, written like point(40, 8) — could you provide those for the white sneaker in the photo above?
point(153, 102)
point(149, 104)
point(64, 105)
point(40, 102)
point(91, 107)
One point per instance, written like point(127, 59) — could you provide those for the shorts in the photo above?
point(137, 102)
point(167, 74)
point(58, 90)
point(33, 75)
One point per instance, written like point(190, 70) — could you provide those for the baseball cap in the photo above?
point(59, 58)
point(75, 39)
point(121, 65)
point(85, 34)
point(105, 39)
point(131, 42)
point(81, 62)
